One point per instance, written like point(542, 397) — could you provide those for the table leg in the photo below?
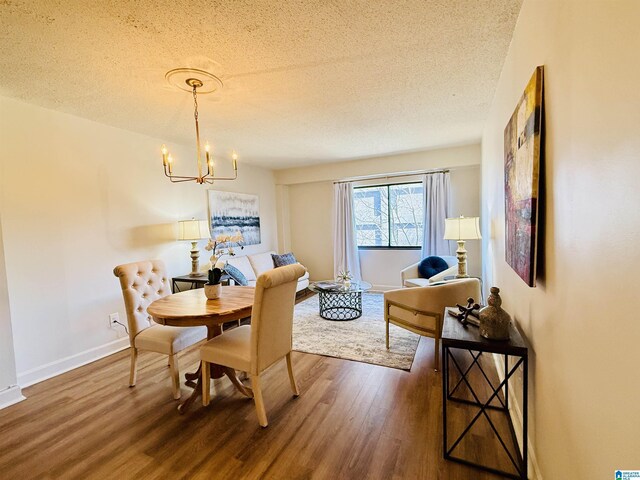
point(243, 389)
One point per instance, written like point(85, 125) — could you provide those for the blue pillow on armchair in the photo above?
point(431, 266)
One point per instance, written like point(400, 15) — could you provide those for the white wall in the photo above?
point(79, 198)
point(9, 390)
point(580, 320)
point(309, 194)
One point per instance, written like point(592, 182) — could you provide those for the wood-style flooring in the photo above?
point(352, 421)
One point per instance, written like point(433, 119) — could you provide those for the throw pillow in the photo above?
point(282, 260)
point(236, 274)
point(431, 266)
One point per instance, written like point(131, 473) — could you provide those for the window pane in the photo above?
point(407, 215)
point(372, 218)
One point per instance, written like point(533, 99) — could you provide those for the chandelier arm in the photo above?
point(179, 176)
point(169, 175)
point(206, 177)
point(183, 179)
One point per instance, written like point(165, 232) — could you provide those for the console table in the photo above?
point(456, 336)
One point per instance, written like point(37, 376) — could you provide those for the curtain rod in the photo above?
point(391, 175)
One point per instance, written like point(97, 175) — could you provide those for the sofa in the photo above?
point(411, 277)
point(252, 266)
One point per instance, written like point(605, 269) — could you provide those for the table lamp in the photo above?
point(461, 229)
point(193, 230)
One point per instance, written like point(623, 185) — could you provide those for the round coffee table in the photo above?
point(339, 302)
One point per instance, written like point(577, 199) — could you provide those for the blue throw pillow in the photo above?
point(236, 274)
point(282, 260)
point(431, 266)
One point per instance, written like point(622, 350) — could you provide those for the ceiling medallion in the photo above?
point(195, 81)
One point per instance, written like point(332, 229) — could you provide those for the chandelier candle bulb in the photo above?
point(164, 155)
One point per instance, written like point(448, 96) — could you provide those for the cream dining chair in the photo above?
point(421, 309)
point(142, 283)
point(254, 348)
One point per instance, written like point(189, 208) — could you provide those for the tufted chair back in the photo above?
point(142, 283)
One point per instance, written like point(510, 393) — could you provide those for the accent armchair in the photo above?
point(420, 310)
point(254, 348)
point(411, 277)
point(142, 283)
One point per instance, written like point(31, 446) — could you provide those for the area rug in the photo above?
point(362, 340)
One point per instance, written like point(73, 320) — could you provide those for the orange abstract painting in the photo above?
point(522, 151)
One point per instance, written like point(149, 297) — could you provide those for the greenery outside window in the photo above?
point(389, 216)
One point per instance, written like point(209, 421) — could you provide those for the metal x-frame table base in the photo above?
point(520, 462)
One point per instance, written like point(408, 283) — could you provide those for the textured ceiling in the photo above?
point(304, 81)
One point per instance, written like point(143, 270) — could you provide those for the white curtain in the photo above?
point(345, 247)
point(436, 188)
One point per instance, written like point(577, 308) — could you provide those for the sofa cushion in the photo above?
point(261, 263)
point(284, 259)
point(431, 266)
point(243, 264)
point(236, 274)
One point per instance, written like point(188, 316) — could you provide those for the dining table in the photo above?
point(192, 308)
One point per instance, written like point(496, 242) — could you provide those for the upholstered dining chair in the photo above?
point(254, 348)
point(142, 283)
point(421, 309)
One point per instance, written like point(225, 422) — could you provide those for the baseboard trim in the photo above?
point(10, 396)
point(515, 412)
point(49, 370)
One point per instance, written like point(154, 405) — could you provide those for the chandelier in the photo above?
point(206, 172)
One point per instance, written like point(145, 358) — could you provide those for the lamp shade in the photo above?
point(462, 228)
point(193, 229)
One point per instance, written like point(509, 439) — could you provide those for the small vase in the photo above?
point(212, 291)
point(494, 321)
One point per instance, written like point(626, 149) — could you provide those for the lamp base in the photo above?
point(195, 263)
point(461, 253)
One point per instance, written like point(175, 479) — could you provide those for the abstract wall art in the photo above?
point(232, 212)
point(522, 156)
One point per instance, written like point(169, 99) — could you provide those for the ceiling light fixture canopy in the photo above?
point(167, 159)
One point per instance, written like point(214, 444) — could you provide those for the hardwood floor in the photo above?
point(352, 421)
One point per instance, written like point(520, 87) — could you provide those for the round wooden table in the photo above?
point(191, 308)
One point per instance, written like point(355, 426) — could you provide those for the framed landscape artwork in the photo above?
point(522, 151)
point(230, 213)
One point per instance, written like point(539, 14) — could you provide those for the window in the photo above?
point(389, 216)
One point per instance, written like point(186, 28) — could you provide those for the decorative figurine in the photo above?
point(465, 312)
point(494, 321)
